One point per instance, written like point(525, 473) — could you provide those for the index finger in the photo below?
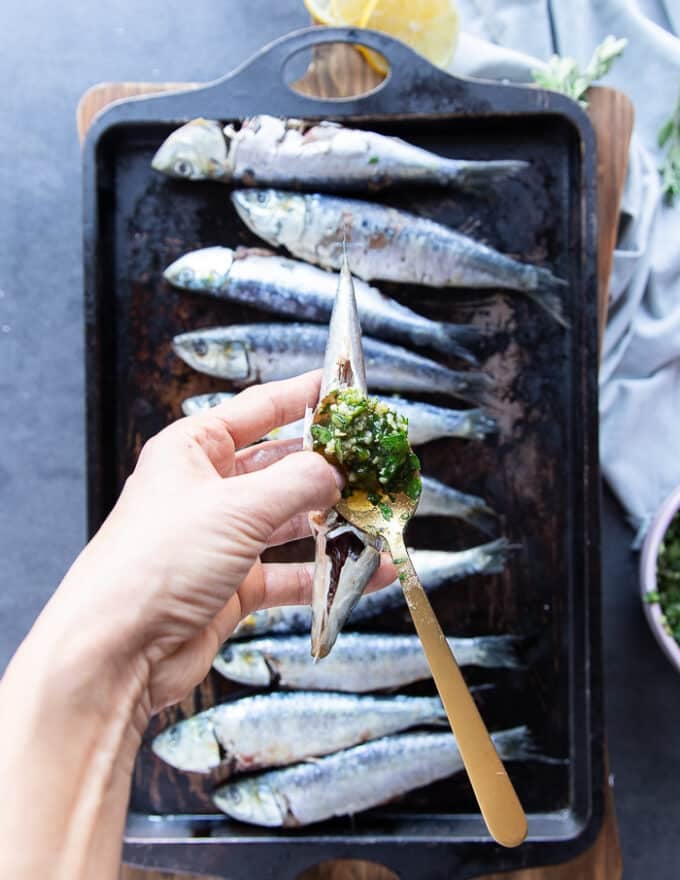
point(259, 409)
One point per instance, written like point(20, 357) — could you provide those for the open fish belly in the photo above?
point(345, 560)
point(270, 150)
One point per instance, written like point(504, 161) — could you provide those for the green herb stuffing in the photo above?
point(668, 579)
point(369, 442)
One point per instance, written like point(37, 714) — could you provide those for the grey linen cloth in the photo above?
point(640, 372)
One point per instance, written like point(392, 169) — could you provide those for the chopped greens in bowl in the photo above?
point(667, 592)
point(369, 442)
point(660, 577)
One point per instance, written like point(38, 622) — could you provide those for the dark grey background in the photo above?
point(49, 54)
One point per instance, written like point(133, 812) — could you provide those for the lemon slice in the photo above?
point(430, 27)
point(321, 11)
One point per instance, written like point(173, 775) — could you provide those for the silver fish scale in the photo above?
point(425, 421)
point(359, 662)
point(346, 782)
point(281, 728)
point(247, 353)
point(389, 244)
point(357, 779)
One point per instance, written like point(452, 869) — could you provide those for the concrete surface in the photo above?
point(50, 54)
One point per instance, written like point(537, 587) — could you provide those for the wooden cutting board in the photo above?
point(339, 71)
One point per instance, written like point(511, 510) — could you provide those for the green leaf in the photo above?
point(665, 132)
point(669, 137)
point(562, 74)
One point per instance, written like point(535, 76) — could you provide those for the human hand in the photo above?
point(177, 564)
point(140, 615)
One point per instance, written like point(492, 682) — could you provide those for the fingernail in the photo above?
point(339, 478)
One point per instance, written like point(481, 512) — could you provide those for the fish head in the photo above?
point(214, 353)
point(345, 560)
point(243, 663)
point(196, 151)
point(253, 800)
point(274, 215)
point(189, 745)
point(206, 269)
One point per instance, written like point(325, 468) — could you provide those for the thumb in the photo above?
point(298, 483)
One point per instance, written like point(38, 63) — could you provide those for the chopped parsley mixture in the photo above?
point(668, 579)
point(369, 442)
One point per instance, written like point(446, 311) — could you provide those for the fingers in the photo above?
point(258, 410)
point(281, 583)
point(254, 458)
point(290, 583)
point(296, 528)
point(266, 499)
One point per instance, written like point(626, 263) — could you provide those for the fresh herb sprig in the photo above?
point(669, 139)
point(562, 74)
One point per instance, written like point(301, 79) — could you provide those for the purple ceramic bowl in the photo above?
point(650, 550)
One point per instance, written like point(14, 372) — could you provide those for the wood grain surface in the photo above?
point(338, 71)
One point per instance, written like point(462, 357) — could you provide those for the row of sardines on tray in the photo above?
point(335, 746)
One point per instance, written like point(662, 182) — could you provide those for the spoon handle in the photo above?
point(493, 789)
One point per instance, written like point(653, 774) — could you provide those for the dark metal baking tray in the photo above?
point(541, 473)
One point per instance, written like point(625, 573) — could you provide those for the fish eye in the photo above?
point(235, 795)
point(183, 168)
point(261, 197)
point(227, 654)
point(200, 347)
point(186, 275)
point(174, 735)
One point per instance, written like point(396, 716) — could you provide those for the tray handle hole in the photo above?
point(348, 869)
point(332, 71)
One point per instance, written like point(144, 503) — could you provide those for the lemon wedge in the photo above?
point(321, 12)
point(430, 27)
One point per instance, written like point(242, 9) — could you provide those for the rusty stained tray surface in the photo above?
point(540, 473)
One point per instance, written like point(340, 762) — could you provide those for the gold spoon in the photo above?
point(493, 789)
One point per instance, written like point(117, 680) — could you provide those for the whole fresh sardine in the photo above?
point(425, 421)
point(291, 152)
point(387, 244)
point(435, 568)
point(272, 730)
point(359, 662)
point(290, 287)
point(250, 353)
point(356, 779)
point(438, 499)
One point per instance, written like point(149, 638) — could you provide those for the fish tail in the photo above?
point(483, 518)
point(515, 744)
point(437, 717)
point(473, 387)
point(477, 424)
point(500, 651)
point(495, 555)
point(456, 340)
point(518, 744)
point(475, 176)
point(547, 293)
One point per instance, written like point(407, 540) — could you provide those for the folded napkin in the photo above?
point(640, 371)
